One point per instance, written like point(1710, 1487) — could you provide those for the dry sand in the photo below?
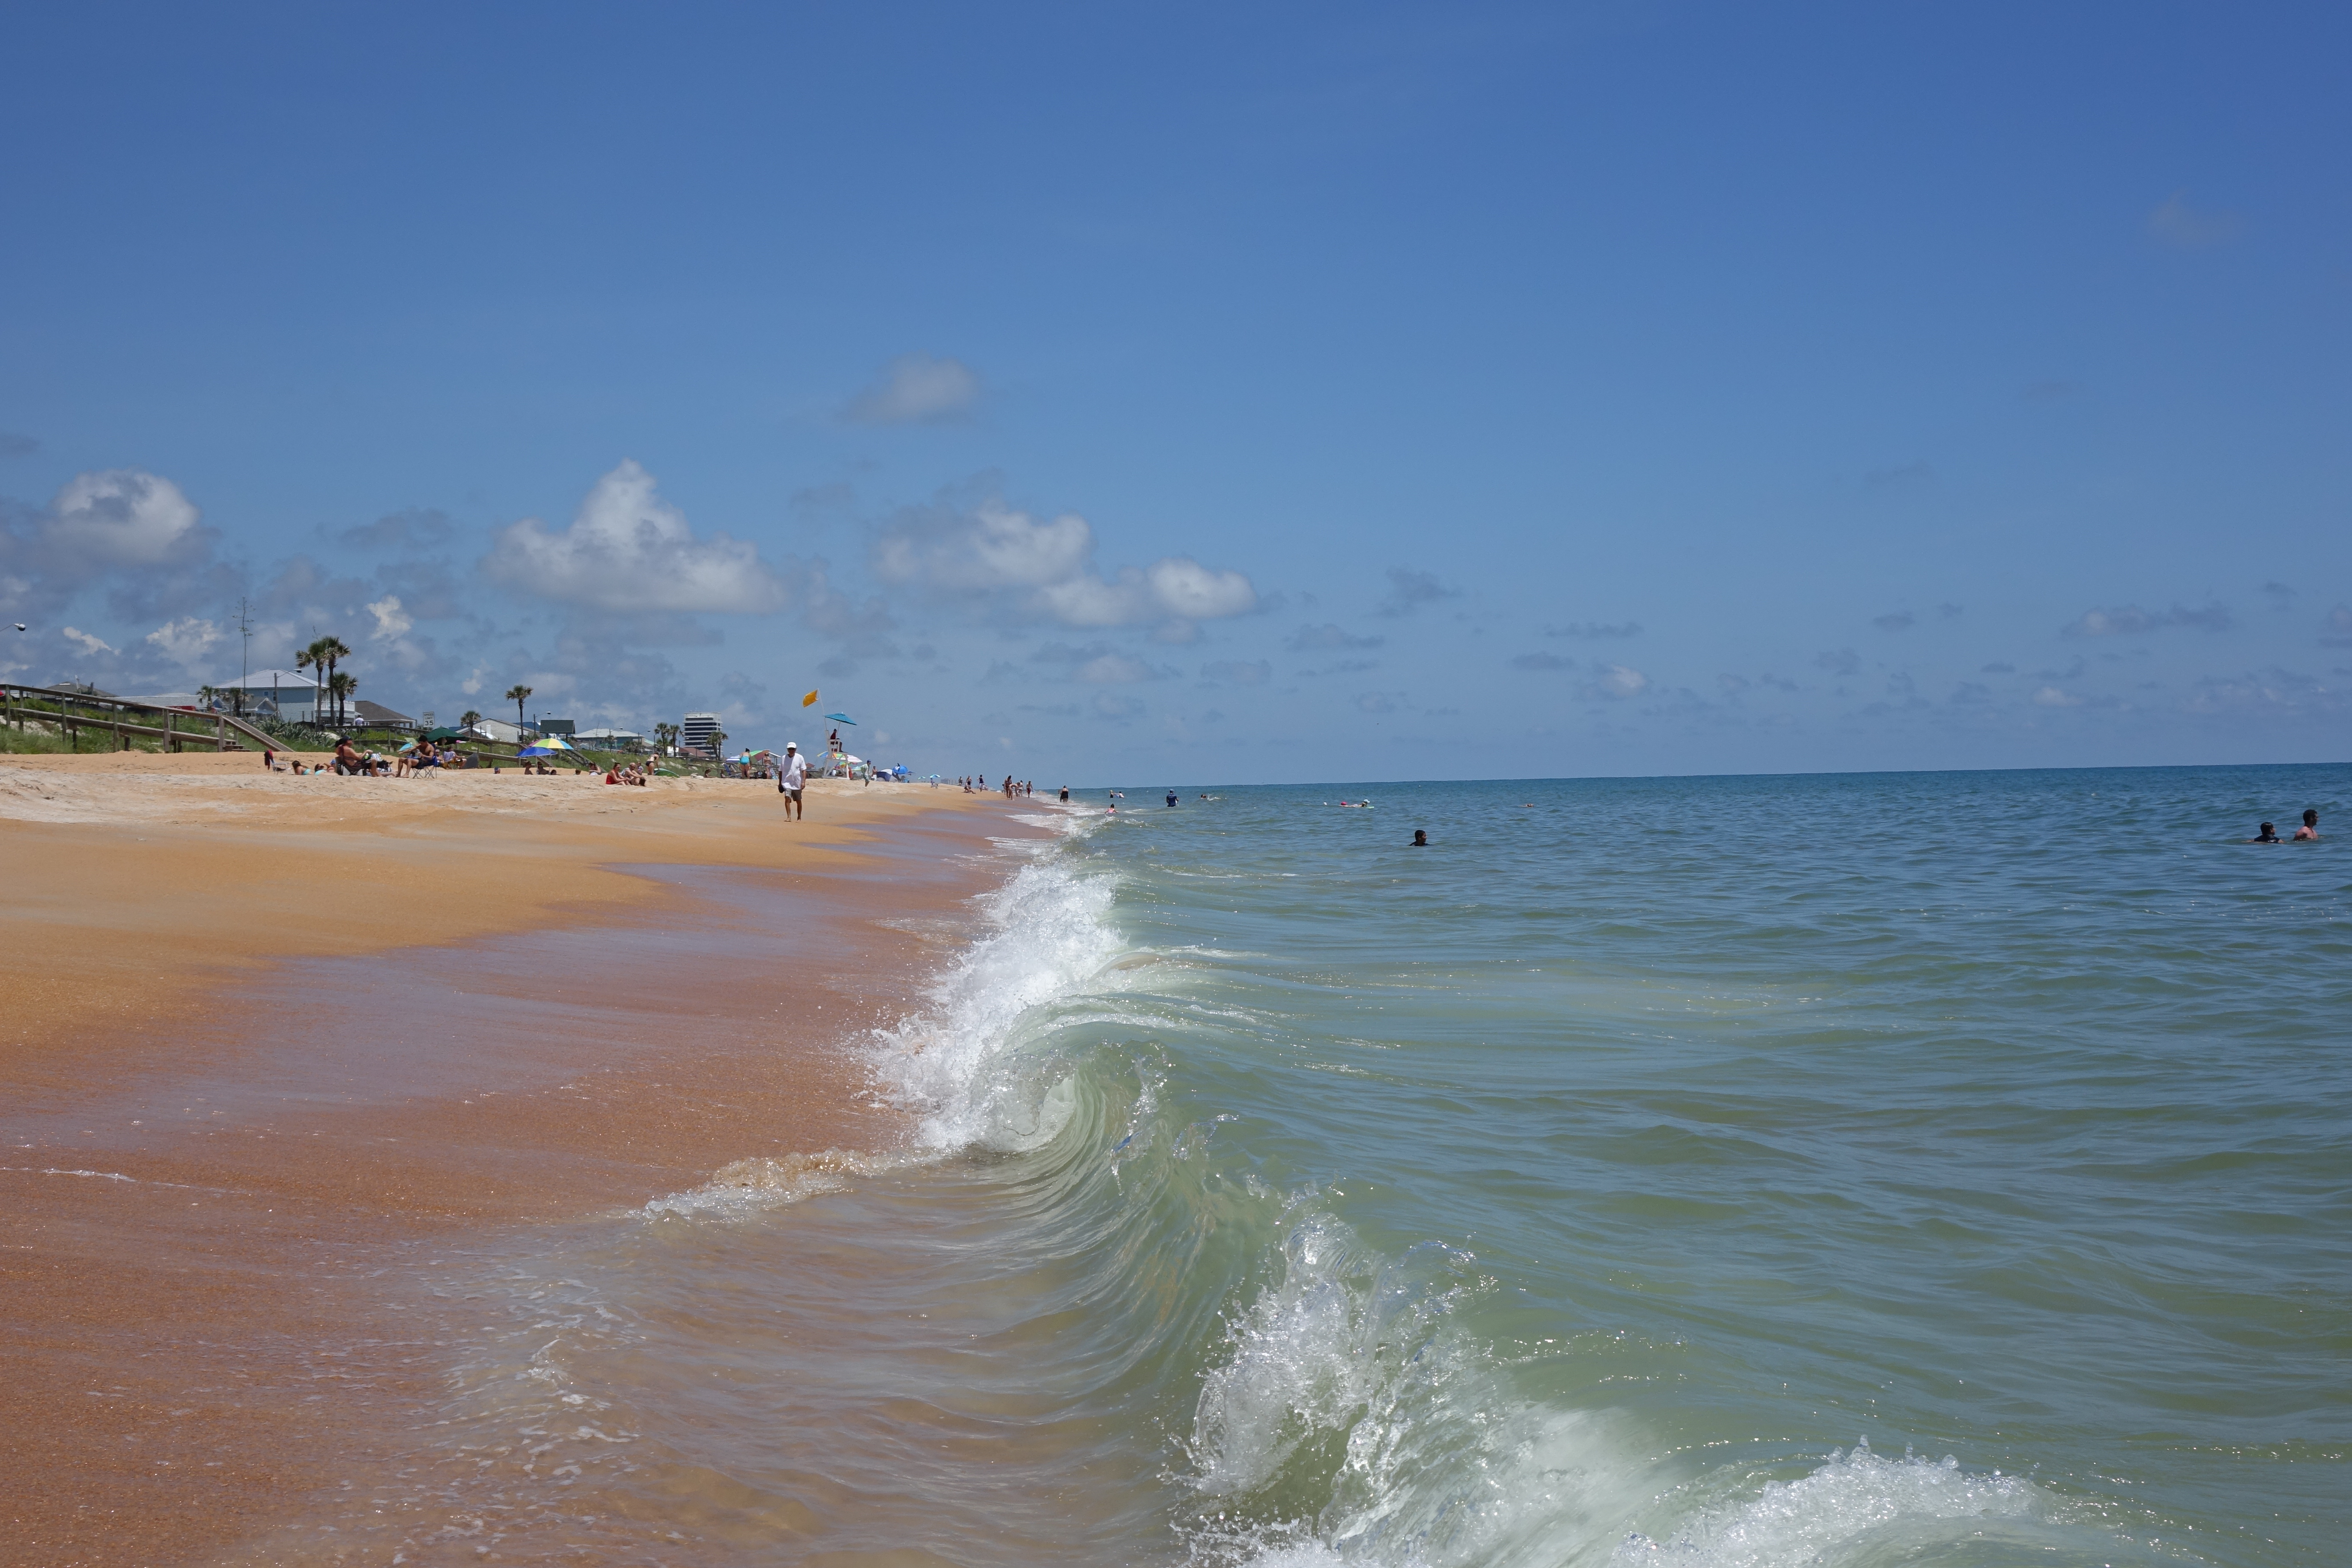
point(264, 1035)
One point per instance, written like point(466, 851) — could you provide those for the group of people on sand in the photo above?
point(634, 773)
point(977, 784)
point(2309, 830)
point(346, 760)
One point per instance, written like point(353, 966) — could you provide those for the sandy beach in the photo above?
point(266, 1035)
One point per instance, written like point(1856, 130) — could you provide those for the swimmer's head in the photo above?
point(2267, 827)
point(1421, 838)
point(2311, 816)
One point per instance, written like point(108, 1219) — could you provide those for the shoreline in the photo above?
point(258, 1058)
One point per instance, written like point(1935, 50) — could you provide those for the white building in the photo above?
point(696, 731)
point(292, 695)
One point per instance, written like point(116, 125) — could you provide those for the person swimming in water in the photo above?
point(2267, 836)
point(1171, 797)
point(2310, 828)
point(1420, 840)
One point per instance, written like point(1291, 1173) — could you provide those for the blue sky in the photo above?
point(1119, 394)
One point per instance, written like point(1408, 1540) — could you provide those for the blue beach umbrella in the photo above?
point(841, 718)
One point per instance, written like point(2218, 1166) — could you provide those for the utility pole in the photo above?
point(244, 662)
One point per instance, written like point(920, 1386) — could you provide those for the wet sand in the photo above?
point(267, 1039)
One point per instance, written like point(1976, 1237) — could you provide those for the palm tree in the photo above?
point(664, 737)
point(340, 687)
point(335, 651)
point(468, 718)
point(518, 695)
point(313, 658)
point(325, 653)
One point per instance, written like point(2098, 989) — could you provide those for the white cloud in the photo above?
point(1040, 569)
point(2051, 697)
point(2130, 620)
point(90, 645)
point(1619, 680)
point(122, 517)
point(629, 551)
point(390, 620)
point(187, 641)
point(916, 389)
point(1238, 672)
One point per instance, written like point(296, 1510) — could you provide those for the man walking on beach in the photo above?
point(789, 780)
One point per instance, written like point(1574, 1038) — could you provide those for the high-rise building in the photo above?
point(697, 732)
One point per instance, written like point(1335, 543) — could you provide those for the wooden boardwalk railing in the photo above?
point(74, 711)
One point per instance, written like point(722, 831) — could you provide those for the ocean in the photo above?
point(1928, 1169)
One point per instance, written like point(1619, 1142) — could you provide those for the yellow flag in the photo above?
point(810, 700)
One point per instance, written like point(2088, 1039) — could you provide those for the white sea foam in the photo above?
point(957, 1062)
point(1857, 1507)
point(749, 1186)
point(1349, 1421)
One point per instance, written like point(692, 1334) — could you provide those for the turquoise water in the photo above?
point(1920, 1169)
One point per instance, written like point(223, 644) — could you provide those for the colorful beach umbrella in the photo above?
point(841, 718)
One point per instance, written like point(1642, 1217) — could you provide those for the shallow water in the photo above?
point(1920, 1169)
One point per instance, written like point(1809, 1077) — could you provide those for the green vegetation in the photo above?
point(47, 738)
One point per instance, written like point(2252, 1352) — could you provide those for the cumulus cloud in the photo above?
point(2130, 620)
point(1317, 640)
point(1542, 660)
point(1042, 570)
point(123, 518)
point(629, 551)
point(90, 645)
point(1896, 621)
point(2175, 223)
point(916, 389)
point(2336, 630)
point(1411, 590)
point(390, 620)
point(1617, 682)
point(187, 642)
point(1595, 629)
